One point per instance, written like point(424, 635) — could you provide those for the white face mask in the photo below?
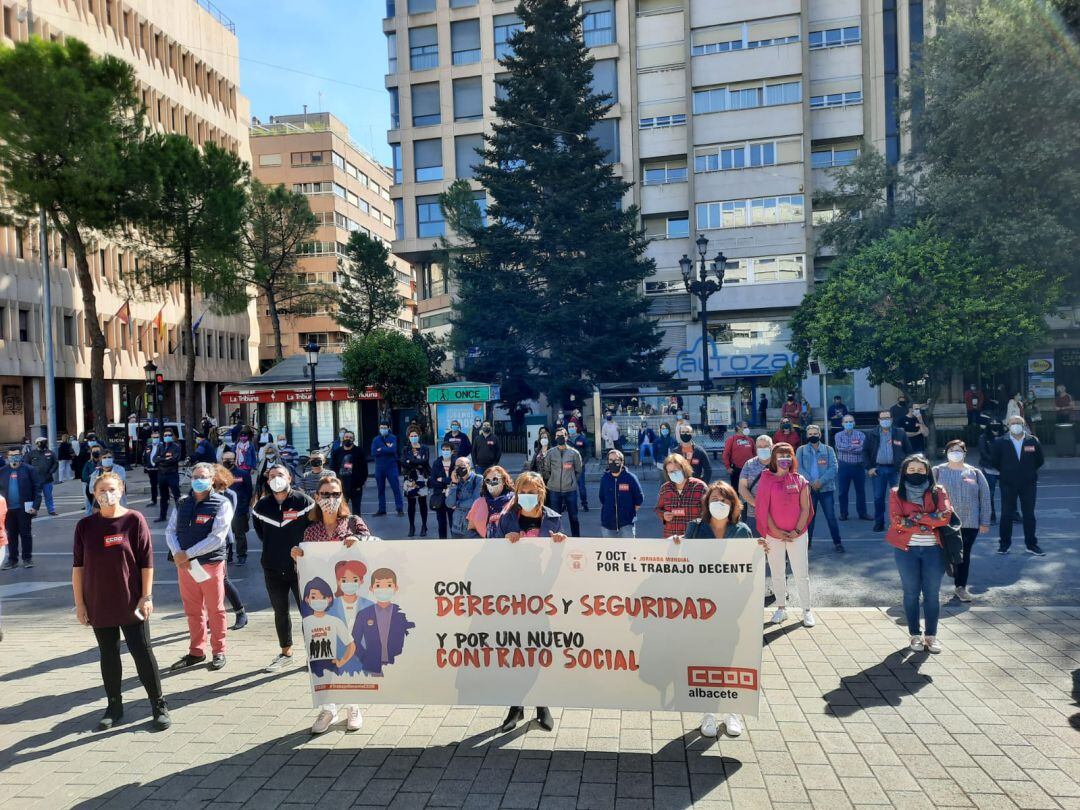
point(278, 483)
point(350, 588)
point(1016, 429)
point(318, 605)
point(764, 454)
point(956, 456)
point(746, 431)
point(719, 509)
point(111, 498)
point(330, 504)
point(543, 441)
point(677, 476)
point(528, 500)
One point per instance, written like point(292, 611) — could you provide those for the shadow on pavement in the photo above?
point(1074, 721)
point(87, 656)
point(883, 684)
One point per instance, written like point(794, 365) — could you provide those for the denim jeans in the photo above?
point(642, 451)
point(848, 475)
point(47, 494)
point(824, 504)
point(623, 531)
point(567, 502)
point(583, 496)
point(992, 481)
point(885, 479)
point(921, 569)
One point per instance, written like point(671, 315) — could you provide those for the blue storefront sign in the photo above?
point(759, 361)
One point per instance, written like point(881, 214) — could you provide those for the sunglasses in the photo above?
point(494, 482)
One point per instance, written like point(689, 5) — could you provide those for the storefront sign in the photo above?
point(648, 625)
point(727, 361)
point(463, 393)
point(1041, 375)
point(322, 394)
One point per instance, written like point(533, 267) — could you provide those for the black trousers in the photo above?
point(240, 530)
point(412, 511)
point(17, 524)
point(735, 473)
point(1009, 494)
point(153, 476)
point(167, 482)
point(961, 577)
point(233, 595)
point(137, 637)
point(442, 517)
point(278, 586)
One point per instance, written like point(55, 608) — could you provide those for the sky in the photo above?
point(291, 51)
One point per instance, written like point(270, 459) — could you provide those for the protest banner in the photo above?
point(596, 623)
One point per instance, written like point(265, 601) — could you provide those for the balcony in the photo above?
point(836, 63)
point(711, 12)
point(663, 198)
point(785, 178)
point(661, 142)
point(753, 124)
point(748, 65)
point(836, 122)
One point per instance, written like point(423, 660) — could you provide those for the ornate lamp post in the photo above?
point(312, 350)
point(703, 286)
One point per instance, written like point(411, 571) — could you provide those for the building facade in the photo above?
point(349, 190)
point(727, 117)
point(185, 56)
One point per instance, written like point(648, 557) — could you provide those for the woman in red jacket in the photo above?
point(918, 507)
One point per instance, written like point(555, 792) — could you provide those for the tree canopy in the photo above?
point(391, 362)
point(367, 286)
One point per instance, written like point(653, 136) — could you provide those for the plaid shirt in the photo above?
point(849, 446)
point(684, 506)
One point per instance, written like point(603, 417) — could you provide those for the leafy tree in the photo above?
point(277, 224)
point(435, 350)
point(550, 289)
point(190, 231)
point(389, 361)
point(368, 296)
point(70, 124)
point(912, 306)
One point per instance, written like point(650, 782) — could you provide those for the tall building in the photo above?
point(349, 190)
point(727, 117)
point(185, 56)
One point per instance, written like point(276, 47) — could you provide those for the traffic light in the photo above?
point(159, 385)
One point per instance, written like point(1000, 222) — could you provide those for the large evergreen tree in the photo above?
point(550, 288)
point(367, 296)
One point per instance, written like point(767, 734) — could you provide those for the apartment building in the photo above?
point(728, 117)
point(349, 190)
point(185, 55)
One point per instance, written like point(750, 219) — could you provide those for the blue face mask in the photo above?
point(14, 459)
point(168, 440)
point(528, 500)
point(414, 440)
point(200, 484)
point(447, 453)
point(664, 431)
point(886, 423)
point(155, 441)
point(106, 463)
point(383, 431)
point(849, 425)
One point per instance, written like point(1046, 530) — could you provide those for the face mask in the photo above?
point(686, 437)
point(746, 431)
point(791, 399)
point(330, 504)
point(785, 425)
point(528, 500)
point(461, 470)
point(544, 441)
point(455, 428)
point(414, 440)
point(383, 594)
point(849, 425)
point(955, 456)
point(916, 479)
point(346, 443)
point(111, 498)
point(95, 456)
point(201, 484)
point(41, 445)
point(609, 417)
point(92, 443)
point(278, 484)
point(106, 463)
point(244, 438)
point(813, 439)
point(764, 454)
point(677, 476)
point(228, 463)
point(477, 424)
point(281, 442)
point(316, 464)
point(1016, 429)
point(155, 441)
point(664, 431)
point(572, 431)
point(350, 588)
point(784, 463)
point(446, 454)
point(14, 460)
point(614, 466)
point(561, 441)
point(318, 605)
point(384, 431)
point(886, 423)
point(486, 431)
point(168, 439)
point(719, 509)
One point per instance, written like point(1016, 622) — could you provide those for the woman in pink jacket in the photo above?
point(783, 511)
point(485, 511)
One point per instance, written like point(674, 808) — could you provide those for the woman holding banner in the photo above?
point(783, 512)
point(680, 495)
point(485, 511)
point(719, 519)
point(526, 516)
point(332, 522)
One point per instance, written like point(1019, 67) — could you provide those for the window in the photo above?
point(605, 79)
point(757, 211)
point(221, 346)
point(663, 121)
point(465, 155)
point(420, 6)
point(433, 321)
point(663, 173)
point(269, 160)
point(433, 281)
point(736, 156)
point(836, 100)
point(462, 3)
point(678, 227)
point(395, 118)
point(20, 248)
point(395, 151)
point(391, 53)
point(480, 198)
point(598, 26)
point(721, 99)
point(427, 160)
point(505, 26)
point(468, 99)
point(3, 323)
point(465, 42)
point(391, 8)
point(834, 37)
point(24, 325)
point(423, 48)
point(606, 135)
point(68, 328)
point(764, 270)
point(337, 160)
point(832, 157)
point(429, 217)
point(823, 216)
point(399, 218)
point(308, 158)
point(425, 104)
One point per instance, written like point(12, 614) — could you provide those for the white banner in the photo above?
point(621, 624)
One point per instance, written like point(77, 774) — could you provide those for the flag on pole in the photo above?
point(124, 313)
point(159, 325)
point(195, 326)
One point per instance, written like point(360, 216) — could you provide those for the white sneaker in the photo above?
point(916, 644)
point(709, 726)
point(808, 619)
point(779, 617)
point(962, 594)
point(932, 644)
point(732, 725)
point(323, 722)
point(280, 660)
point(353, 719)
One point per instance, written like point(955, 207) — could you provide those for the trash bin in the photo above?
point(1065, 439)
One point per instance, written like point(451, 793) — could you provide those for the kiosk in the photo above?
point(463, 401)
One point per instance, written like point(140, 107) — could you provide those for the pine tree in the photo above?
point(368, 296)
point(550, 288)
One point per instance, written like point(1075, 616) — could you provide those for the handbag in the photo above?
point(952, 542)
point(437, 499)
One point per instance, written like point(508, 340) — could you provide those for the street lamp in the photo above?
point(703, 287)
point(312, 350)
